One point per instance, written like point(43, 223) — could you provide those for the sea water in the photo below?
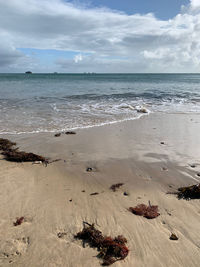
point(57, 102)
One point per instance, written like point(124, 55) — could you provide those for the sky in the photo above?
point(163, 9)
point(112, 36)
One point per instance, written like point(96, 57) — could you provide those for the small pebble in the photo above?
point(192, 165)
point(70, 200)
point(60, 235)
point(173, 237)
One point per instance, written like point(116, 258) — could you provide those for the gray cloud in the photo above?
point(116, 41)
point(8, 54)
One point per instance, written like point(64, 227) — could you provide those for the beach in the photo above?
point(151, 156)
point(99, 133)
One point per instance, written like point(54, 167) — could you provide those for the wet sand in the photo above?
point(56, 199)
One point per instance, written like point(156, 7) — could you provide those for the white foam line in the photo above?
point(78, 127)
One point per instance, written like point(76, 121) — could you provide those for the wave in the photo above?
point(49, 103)
point(155, 95)
point(73, 128)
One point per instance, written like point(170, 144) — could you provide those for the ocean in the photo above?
point(57, 102)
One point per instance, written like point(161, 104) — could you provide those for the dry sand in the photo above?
point(128, 152)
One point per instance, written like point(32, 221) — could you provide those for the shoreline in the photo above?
point(104, 124)
point(57, 198)
point(78, 127)
point(178, 131)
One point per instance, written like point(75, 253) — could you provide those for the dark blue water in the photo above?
point(51, 102)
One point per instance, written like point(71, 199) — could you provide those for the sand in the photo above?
point(56, 199)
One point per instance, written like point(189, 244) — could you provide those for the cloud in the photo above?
point(78, 58)
point(195, 3)
point(9, 55)
point(113, 41)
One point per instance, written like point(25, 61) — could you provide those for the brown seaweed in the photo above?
point(21, 156)
point(19, 221)
point(13, 154)
point(116, 186)
point(149, 212)
point(6, 144)
point(189, 192)
point(110, 250)
point(94, 194)
point(70, 132)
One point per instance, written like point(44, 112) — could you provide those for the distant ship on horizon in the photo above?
point(28, 72)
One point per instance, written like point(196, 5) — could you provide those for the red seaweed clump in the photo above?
point(110, 250)
point(19, 221)
point(149, 212)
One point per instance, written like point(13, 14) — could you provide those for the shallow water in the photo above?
point(55, 102)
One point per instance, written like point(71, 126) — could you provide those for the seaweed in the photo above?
point(13, 154)
point(19, 221)
point(21, 156)
point(6, 145)
point(70, 132)
point(116, 186)
point(110, 250)
point(189, 192)
point(54, 160)
point(149, 212)
point(93, 194)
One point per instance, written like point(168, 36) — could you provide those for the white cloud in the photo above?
point(78, 58)
point(195, 3)
point(116, 41)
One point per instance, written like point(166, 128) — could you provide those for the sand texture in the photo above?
point(56, 199)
